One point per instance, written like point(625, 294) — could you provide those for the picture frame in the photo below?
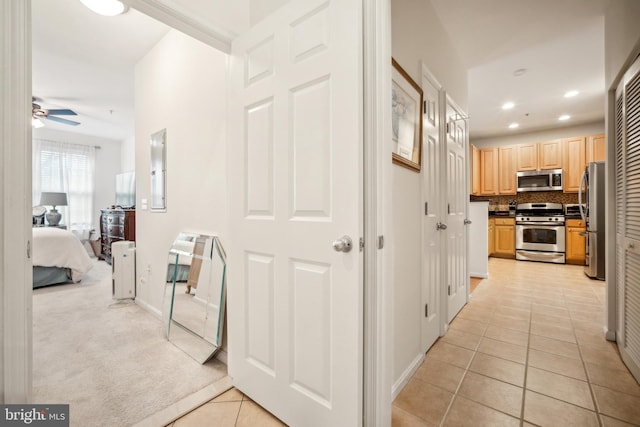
point(406, 112)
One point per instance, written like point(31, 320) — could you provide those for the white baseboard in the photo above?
point(609, 334)
point(406, 376)
point(151, 309)
point(222, 355)
point(479, 275)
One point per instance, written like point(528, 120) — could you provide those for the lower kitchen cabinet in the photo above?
point(505, 238)
point(575, 243)
point(492, 236)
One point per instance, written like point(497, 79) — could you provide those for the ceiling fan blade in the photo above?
point(62, 112)
point(59, 120)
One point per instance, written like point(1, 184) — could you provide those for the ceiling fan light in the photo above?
point(36, 122)
point(106, 7)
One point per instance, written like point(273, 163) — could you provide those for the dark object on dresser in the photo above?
point(116, 225)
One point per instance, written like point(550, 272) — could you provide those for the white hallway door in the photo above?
point(432, 195)
point(456, 203)
point(295, 302)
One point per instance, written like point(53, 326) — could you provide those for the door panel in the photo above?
point(432, 238)
point(457, 200)
point(295, 303)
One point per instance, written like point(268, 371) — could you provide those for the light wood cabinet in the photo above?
point(488, 171)
point(574, 163)
point(505, 237)
point(492, 236)
point(527, 157)
point(507, 170)
point(550, 154)
point(475, 170)
point(596, 148)
point(575, 243)
point(538, 156)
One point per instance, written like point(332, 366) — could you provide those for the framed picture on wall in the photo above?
point(406, 113)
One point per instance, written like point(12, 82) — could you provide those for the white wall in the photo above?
point(259, 9)
point(232, 16)
point(180, 86)
point(621, 36)
point(417, 35)
point(539, 136)
point(128, 154)
point(107, 165)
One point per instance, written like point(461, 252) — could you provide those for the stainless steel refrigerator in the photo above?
point(592, 210)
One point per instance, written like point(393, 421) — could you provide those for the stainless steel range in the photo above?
point(540, 232)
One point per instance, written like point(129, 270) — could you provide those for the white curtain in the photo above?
point(67, 168)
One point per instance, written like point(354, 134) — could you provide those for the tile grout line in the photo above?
point(466, 370)
point(586, 372)
point(526, 365)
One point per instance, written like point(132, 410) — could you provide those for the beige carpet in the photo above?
point(109, 360)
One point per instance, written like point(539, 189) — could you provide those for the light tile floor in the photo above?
point(527, 350)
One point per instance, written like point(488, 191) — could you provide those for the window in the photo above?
point(68, 168)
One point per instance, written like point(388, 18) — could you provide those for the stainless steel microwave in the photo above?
point(545, 180)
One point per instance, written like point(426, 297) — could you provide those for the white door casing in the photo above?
point(432, 202)
point(456, 205)
point(295, 160)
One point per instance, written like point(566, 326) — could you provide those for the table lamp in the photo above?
point(53, 199)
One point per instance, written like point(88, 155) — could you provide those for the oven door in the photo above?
point(537, 237)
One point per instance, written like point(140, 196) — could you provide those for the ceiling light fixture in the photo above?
point(106, 7)
point(513, 125)
point(36, 122)
point(564, 117)
point(508, 105)
point(571, 94)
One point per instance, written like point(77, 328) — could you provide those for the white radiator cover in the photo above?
point(123, 269)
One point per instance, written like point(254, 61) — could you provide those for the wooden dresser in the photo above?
point(116, 225)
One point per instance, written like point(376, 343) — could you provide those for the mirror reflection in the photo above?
point(194, 298)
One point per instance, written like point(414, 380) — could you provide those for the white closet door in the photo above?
point(457, 200)
point(432, 198)
point(628, 218)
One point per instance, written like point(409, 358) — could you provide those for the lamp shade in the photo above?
point(53, 199)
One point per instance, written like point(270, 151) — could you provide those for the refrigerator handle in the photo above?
point(583, 184)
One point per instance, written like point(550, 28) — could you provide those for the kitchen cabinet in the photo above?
point(575, 243)
point(574, 163)
point(596, 146)
point(489, 171)
point(507, 170)
point(475, 170)
point(540, 155)
point(492, 236)
point(550, 154)
point(505, 237)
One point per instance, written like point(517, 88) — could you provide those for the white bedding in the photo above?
point(55, 247)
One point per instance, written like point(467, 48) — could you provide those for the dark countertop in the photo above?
point(509, 214)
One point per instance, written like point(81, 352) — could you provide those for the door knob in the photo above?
point(467, 221)
point(441, 226)
point(343, 244)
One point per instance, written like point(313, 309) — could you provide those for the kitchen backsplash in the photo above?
point(501, 203)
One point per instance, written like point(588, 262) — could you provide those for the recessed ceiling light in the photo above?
point(508, 105)
point(519, 72)
point(564, 117)
point(513, 125)
point(571, 94)
point(106, 7)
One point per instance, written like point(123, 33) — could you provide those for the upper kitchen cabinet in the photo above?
point(550, 154)
point(507, 170)
point(475, 170)
point(574, 162)
point(489, 171)
point(538, 156)
point(596, 147)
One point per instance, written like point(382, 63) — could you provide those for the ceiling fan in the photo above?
point(38, 112)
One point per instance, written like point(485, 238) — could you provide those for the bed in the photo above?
point(58, 257)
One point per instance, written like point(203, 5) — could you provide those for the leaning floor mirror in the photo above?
point(194, 299)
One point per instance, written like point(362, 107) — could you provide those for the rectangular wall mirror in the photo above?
point(194, 299)
point(159, 171)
